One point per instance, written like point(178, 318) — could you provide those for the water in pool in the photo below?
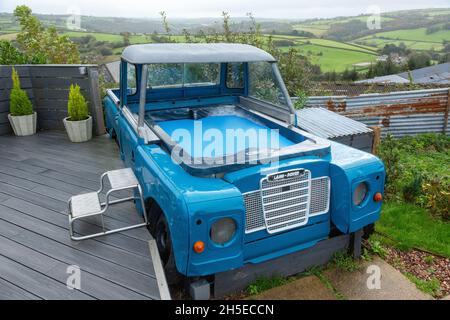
point(216, 136)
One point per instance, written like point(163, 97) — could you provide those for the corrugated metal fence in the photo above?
point(47, 87)
point(399, 113)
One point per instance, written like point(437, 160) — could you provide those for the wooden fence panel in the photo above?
point(48, 88)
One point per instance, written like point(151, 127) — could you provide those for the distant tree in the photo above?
point(432, 29)
point(165, 23)
point(9, 54)
point(105, 51)
point(382, 68)
point(350, 75)
point(330, 76)
point(42, 45)
point(445, 58)
point(390, 48)
point(347, 30)
point(446, 47)
point(126, 38)
point(284, 43)
point(301, 33)
point(418, 60)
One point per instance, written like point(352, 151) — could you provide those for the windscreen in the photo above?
point(263, 84)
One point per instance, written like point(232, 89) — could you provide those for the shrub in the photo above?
point(302, 99)
point(390, 154)
point(413, 189)
point(19, 104)
point(437, 195)
point(77, 106)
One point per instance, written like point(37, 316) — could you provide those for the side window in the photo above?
point(131, 78)
point(183, 74)
point(165, 75)
point(235, 75)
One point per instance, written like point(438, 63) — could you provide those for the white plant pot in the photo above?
point(79, 131)
point(23, 125)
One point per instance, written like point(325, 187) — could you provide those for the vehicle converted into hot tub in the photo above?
point(228, 178)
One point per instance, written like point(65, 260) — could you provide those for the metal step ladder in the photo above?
point(89, 204)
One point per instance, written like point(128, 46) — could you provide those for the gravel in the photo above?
point(423, 265)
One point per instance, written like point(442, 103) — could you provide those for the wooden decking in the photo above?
point(37, 176)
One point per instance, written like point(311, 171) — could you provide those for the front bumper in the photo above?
point(261, 250)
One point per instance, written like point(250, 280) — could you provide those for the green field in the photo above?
point(328, 54)
point(331, 55)
point(97, 35)
point(316, 30)
point(333, 59)
point(320, 27)
point(8, 36)
point(109, 37)
point(416, 39)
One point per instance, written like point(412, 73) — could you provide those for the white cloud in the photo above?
point(288, 9)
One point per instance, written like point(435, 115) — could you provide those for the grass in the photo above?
point(409, 226)
point(329, 285)
point(377, 247)
point(432, 287)
point(264, 283)
point(344, 262)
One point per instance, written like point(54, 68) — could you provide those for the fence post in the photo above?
point(376, 138)
point(444, 129)
point(97, 107)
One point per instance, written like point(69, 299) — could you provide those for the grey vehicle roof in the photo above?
point(194, 53)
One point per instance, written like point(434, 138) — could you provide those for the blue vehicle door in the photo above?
point(128, 142)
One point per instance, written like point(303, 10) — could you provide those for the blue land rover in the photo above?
point(228, 177)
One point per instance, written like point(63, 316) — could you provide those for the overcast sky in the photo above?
point(288, 9)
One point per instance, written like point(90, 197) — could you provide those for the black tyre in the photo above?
point(164, 241)
point(368, 231)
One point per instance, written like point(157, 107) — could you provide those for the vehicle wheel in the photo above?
point(165, 248)
point(368, 230)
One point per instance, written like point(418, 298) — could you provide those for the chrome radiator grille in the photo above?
point(286, 204)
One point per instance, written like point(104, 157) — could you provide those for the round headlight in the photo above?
point(223, 230)
point(360, 193)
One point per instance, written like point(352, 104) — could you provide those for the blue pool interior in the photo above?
point(210, 136)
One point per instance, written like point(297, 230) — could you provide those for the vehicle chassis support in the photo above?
point(234, 281)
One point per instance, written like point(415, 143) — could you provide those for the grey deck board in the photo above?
point(61, 206)
point(9, 291)
point(101, 250)
point(38, 175)
point(34, 281)
point(137, 246)
point(90, 284)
